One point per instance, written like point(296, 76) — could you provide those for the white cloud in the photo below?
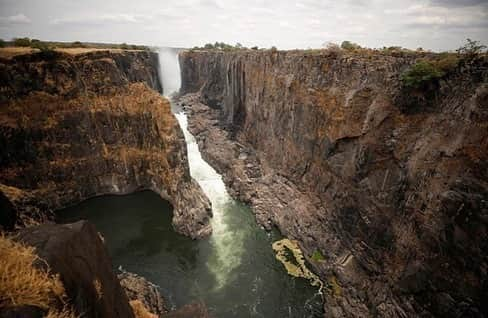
point(15, 19)
point(434, 24)
point(121, 18)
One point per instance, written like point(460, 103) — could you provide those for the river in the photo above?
point(234, 272)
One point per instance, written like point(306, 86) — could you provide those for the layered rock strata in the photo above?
point(320, 145)
point(77, 126)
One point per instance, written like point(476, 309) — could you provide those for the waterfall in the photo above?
point(227, 245)
point(169, 70)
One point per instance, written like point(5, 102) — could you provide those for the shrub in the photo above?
point(2, 43)
point(350, 46)
point(77, 44)
point(447, 63)
point(22, 284)
point(24, 42)
point(140, 311)
point(420, 74)
point(124, 46)
point(274, 49)
point(333, 48)
point(255, 48)
point(472, 48)
point(317, 256)
point(42, 46)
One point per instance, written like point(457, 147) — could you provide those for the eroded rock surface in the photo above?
point(396, 201)
point(74, 127)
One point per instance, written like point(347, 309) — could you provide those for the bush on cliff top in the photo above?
point(421, 73)
point(350, 46)
point(221, 46)
point(428, 71)
point(23, 42)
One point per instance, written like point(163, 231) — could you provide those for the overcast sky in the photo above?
point(431, 24)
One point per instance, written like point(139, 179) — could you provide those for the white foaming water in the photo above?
point(169, 71)
point(227, 246)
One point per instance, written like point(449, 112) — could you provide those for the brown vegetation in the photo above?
point(140, 311)
point(23, 284)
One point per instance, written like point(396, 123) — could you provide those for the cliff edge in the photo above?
point(74, 126)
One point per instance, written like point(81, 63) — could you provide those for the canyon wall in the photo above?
point(393, 198)
point(74, 126)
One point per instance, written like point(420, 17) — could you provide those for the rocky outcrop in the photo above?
point(77, 254)
point(139, 289)
point(319, 144)
point(77, 126)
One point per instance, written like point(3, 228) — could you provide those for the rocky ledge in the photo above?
point(77, 126)
point(392, 202)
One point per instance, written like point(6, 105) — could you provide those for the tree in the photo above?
point(77, 44)
point(24, 42)
point(348, 45)
point(36, 44)
point(2, 43)
point(472, 48)
point(421, 74)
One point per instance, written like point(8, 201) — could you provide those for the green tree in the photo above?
point(421, 74)
point(2, 43)
point(77, 44)
point(348, 45)
point(24, 42)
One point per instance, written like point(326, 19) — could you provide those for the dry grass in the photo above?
point(98, 288)
point(9, 52)
point(21, 283)
point(81, 50)
point(140, 311)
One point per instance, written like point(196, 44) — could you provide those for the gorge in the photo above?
point(388, 203)
point(326, 145)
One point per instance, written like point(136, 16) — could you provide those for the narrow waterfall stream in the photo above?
point(227, 243)
point(234, 272)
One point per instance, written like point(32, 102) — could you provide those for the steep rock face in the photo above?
point(78, 255)
point(74, 127)
point(318, 144)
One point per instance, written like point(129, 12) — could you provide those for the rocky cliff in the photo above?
point(394, 200)
point(74, 126)
point(54, 270)
point(77, 254)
